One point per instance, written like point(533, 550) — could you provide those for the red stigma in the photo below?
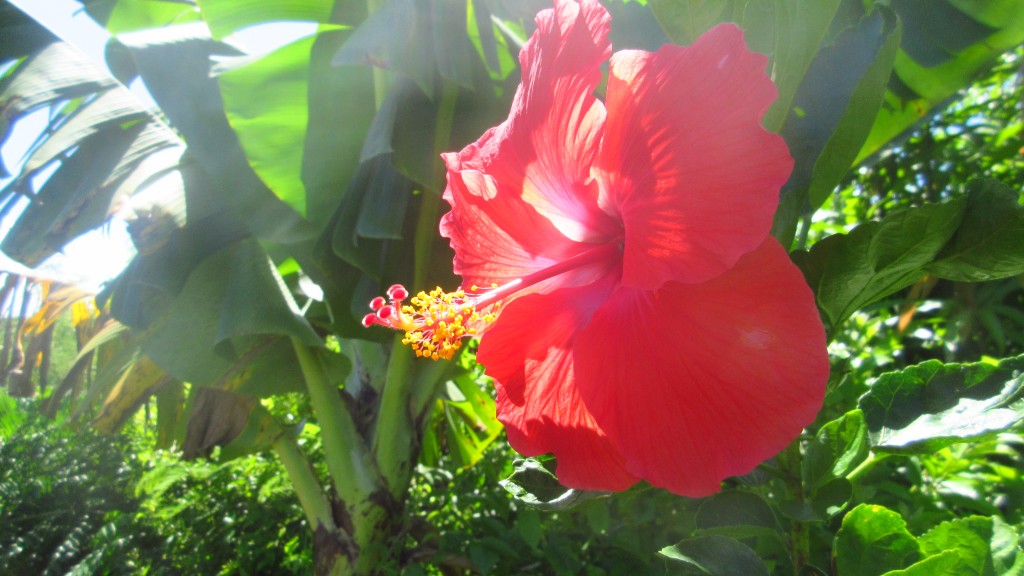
point(397, 292)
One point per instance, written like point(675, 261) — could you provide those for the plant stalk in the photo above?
point(347, 459)
point(304, 481)
point(791, 465)
point(866, 466)
point(395, 438)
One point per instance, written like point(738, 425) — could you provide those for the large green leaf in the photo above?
point(837, 448)
point(393, 37)
point(227, 16)
point(107, 148)
point(836, 103)
point(946, 43)
point(204, 337)
point(419, 39)
point(848, 272)
point(175, 64)
point(713, 556)
point(464, 417)
point(341, 108)
point(987, 245)
point(972, 237)
point(57, 71)
point(120, 16)
point(942, 564)
point(800, 28)
point(157, 275)
point(736, 514)
point(256, 300)
point(984, 546)
point(926, 407)
point(377, 187)
point(74, 200)
point(874, 540)
point(272, 127)
point(684, 22)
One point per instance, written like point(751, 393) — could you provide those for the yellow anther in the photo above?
point(436, 322)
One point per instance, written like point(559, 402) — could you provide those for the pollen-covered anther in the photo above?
point(435, 322)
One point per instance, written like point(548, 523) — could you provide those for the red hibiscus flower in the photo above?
point(636, 316)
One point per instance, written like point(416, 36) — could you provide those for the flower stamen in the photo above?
point(435, 322)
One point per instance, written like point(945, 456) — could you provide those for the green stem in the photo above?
point(805, 229)
point(791, 465)
point(866, 466)
point(394, 439)
point(304, 481)
point(346, 456)
point(393, 435)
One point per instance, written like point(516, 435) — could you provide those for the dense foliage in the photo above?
point(66, 500)
point(262, 430)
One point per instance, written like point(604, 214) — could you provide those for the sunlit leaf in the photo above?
point(837, 448)
point(137, 384)
point(983, 546)
point(942, 564)
point(926, 407)
point(227, 16)
point(119, 16)
point(872, 541)
point(57, 71)
point(73, 200)
point(945, 44)
point(272, 128)
point(11, 415)
point(469, 417)
point(532, 483)
point(175, 64)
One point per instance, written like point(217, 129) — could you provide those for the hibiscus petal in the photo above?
point(697, 382)
point(529, 178)
point(528, 352)
point(685, 161)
